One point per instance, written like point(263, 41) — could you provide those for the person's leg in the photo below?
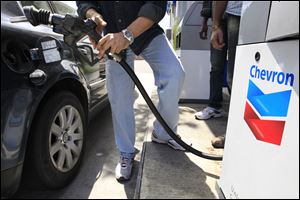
point(221, 58)
point(218, 61)
point(169, 76)
point(233, 25)
point(121, 96)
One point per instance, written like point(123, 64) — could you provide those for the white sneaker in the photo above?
point(123, 169)
point(172, 143)
point(207, 113)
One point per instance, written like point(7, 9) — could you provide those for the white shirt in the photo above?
point(234, 7)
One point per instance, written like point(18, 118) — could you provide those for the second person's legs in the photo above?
point(217, 61)
point(233, 25)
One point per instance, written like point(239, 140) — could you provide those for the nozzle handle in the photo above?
point(92, 30)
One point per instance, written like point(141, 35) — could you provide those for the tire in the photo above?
point(58, 142)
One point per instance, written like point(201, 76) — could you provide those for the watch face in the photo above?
point(128, 35)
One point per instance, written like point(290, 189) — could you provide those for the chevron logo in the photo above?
point(260, 106)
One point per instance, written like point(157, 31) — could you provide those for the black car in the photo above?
point(46, 101)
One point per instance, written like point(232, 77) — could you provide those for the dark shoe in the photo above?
point(218, 142)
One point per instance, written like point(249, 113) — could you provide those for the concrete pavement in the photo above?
point(165, 173)
point(169, 174)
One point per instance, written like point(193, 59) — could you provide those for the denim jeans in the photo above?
point(230, 27)
point(169, 76)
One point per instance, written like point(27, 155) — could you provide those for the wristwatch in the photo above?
point(128, 35)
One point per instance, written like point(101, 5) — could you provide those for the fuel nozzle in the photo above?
point(71, 26)
point(41, 16)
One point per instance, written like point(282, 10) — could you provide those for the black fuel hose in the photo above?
point(93, 34)
point(157, 115)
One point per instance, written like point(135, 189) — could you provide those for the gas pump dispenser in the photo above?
point(194, 55)
point(261, 154)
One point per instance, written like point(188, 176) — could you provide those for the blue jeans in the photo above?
point(169, 76)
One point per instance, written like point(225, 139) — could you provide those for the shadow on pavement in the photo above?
point(171, 174)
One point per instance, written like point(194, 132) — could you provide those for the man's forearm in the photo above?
point(137, 27)
point(219, 8)
point(140, 25)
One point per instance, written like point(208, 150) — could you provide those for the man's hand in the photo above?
point(100, 23)
point(203, 32)
point(97, 18)
point(204, 28)
point(113, 41)
point(217, 39)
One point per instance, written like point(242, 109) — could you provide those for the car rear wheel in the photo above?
point(59, 139)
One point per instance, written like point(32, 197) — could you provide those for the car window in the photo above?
point(11, 8)
point(64, 7)
point(37, 4)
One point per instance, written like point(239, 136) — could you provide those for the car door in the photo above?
point(94, 74)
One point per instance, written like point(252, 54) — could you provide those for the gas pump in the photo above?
point(194, 55)
point(263, 122)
